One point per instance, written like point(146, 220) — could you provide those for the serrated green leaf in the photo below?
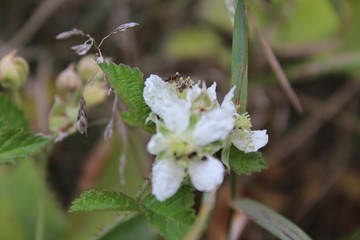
point(128, 85)
point(128, 227)
point(10, 114)
point(15, 143)
point(103, 200)
point(270, 220)
point(173, 217)
point(245, 163)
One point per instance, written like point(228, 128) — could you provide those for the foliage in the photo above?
point(239, 57)
point(103, 200)
point(270, 220)
point(129, 227)
point(20, 188)
point(15, 144)
point(245, 163)
point(172, 218)
point(11, 115)
point(128, 85)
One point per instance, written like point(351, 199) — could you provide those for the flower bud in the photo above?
point(87, 67)
point(68, 79)
point(62, 119)
point(13, 71)
point(96, 93)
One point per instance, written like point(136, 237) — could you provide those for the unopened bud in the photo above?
point(13, 71)
point(68, 79)
point(87, 68)
point(62, 119)
point(96, 93)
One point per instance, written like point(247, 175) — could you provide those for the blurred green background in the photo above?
point(313, 176)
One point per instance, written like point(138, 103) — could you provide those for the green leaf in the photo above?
point(302, 26)
point(15, 143)
point(10, 114)
point(22, 189)
point(173, 217)
point(128, 227)
point(245, 163)
point(128, 85)
point(270, 220)
point(239, 58)
point(103, 200)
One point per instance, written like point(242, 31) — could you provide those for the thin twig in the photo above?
point(33, 24)
point(303, 132)
point(198, 227)
point(343, 120)
point(94, 165)
point(238, 224)
point(279, 72)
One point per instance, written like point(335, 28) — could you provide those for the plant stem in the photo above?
point(207, 204)
point(239, 74)
point(40, 216)
point(142, 190)
point(17, 98)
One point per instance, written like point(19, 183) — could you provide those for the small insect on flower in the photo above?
point(173, 78)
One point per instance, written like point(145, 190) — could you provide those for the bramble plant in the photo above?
point(196, 139)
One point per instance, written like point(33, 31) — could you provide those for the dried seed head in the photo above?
point(124, 27)
point(84, 48)
point(81, 123)
point(110, 90)
point(67, 34)
point(99, 59)
point(109, 130)
point(121, 28)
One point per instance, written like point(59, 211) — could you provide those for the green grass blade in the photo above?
point(239, 58)
point(270, 220)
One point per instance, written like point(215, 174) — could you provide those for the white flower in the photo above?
point(180, 150)
point(186, 140)
point(249, 141)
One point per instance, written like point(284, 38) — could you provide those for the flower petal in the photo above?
point(227, 102)
point(166, 178)
point(259, 139)
point(211, 91)
point(156, 144)
point(249, 141)
point(207, 174)
point(213, 126)
point(176, 115)
point(157, 93)
point(193, 92)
